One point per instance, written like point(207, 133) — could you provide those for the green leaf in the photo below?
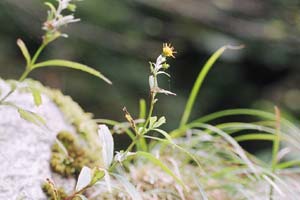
point(134, 194)
point(250, 112)
point(199, 81)
point(50, 5)
point(235, 145)
point(36, 96)
point(73, 65)
point(160, 122)
point(24, 51)
point(84, 178)
point(62, 147)
point(178, 147)
point(81, 197)
point(157, 162)
point(51, 13)
point(152, 121)
point(164, 133)
point(72, 7)
point(31, 117)
point(200, 188)
point(98, 175)
point(287, 164)
point(143, 109)
point(254, 136)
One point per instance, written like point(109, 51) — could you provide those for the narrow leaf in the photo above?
point(36, 96)
point(250, 112)
point(152, 121)
point(62, 147)
point(274, 185)
point(288, 164)
point(131, 190)
point(107, 181)
point(52, 8)
point(178, 147)
point(142, 114)
point(259, 136)
point(31, 117)
point(98, 174)
point(81, 197)
point(84, 179)
point(160, 122)
point(201, 189)
point(73, 65)
point(72, 7)
point(157, 162)
point(24, 51)
point(198, 83)
point(164, 133)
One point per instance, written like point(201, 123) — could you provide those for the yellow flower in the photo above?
point(168, 50)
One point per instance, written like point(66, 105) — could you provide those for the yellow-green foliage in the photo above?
point(52, 192)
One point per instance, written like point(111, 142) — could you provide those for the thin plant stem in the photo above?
point(275, 150)
point(150, 111)
point(7, 95)
point(142, 141)
point(38, 52)
point(27, 70)
point(25, 74)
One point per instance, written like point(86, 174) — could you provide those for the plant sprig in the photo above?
point(55, 21)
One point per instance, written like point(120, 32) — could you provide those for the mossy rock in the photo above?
point(27, 150)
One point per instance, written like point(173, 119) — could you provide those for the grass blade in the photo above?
point(255, 136)
point(238, 149)
point(165, 134)
point(245, 111)
point(157, 162)
point(31, 117)
point(131, 190)
point(178, 147)
point(197, 85)
point(73, 65)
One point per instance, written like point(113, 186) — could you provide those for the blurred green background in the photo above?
point(119, 37)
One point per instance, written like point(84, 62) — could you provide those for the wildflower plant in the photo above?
point(158, 68)
point(56, 19)
point(90, 177)
point(52, 26)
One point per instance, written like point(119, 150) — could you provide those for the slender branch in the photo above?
point(27, 71)
point(37, 53)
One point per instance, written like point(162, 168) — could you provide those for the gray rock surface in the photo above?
point(25, 148)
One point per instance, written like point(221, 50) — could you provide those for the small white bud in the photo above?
point(151, 82)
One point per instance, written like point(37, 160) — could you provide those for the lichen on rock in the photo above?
point(26, 149)
point(70, 164)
